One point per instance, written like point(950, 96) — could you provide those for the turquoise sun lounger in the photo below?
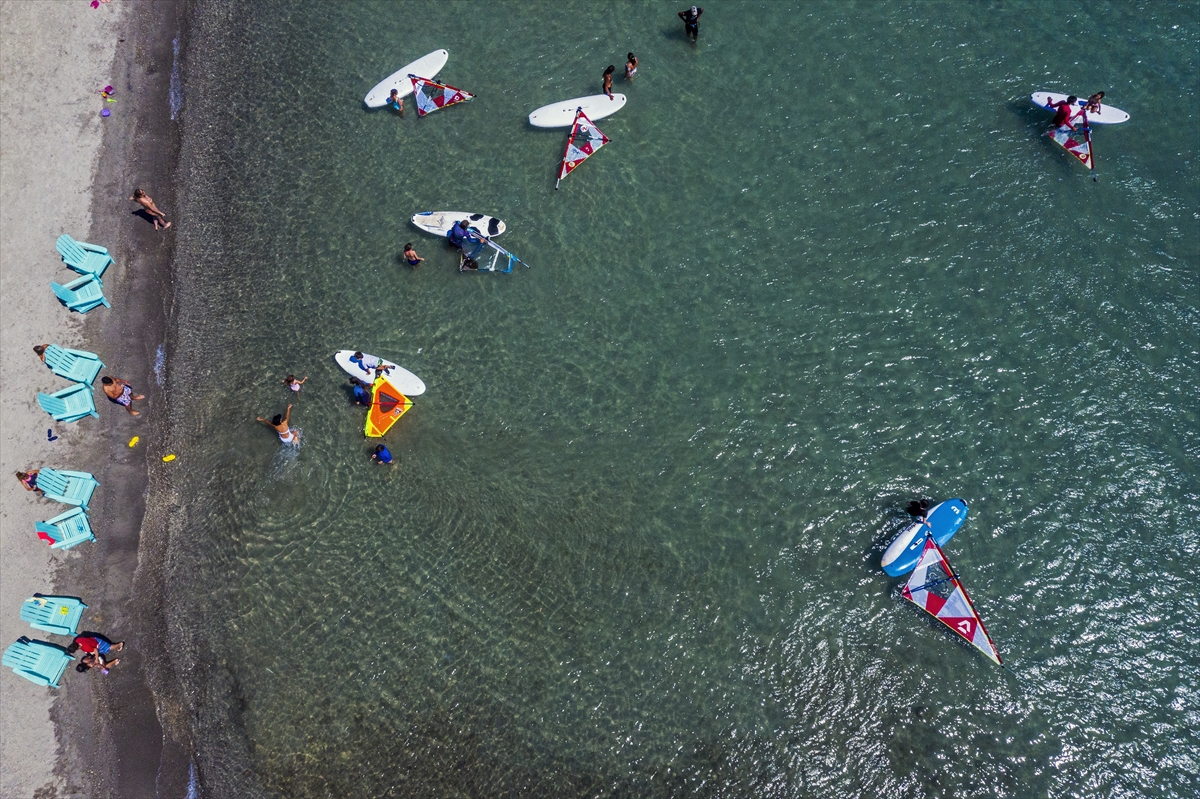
point(81, 295)
point(69, 405)
point(84, 258)
point(70, 488)
point(54, 614)
point(37, 661)
point(66, 529)
point(77, 365)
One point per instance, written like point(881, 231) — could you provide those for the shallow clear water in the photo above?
point(827, 264)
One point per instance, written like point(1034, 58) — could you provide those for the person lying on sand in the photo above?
point(143, 199)
point(96, 662)
point(121, 393)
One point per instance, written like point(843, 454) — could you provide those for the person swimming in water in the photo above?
point(382, 456)
point(631, 63)
point(396, 102)
point(362, 394)
point(608, 73)
point(280, 424)
point(410, 255)
point(291, 382)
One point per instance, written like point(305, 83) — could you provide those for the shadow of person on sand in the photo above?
point(144, 214)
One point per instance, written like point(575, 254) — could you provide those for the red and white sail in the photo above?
point(431, 95)
point(584, 141)
point(935, 588)
point(1077, 142)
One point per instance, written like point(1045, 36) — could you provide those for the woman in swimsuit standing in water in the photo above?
point(287, 435)
point(630, 66)
point(608, 73)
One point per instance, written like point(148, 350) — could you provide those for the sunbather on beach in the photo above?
point(40, 349)
point(121, 393)
point(29, 480)
point(287, 435)
point(143, 199)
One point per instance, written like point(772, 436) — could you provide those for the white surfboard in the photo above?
point(562, 115)
point(403, 379)
point(438, 222)
point(1107, 116)
point(424, 67)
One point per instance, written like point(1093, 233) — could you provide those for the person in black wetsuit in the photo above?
point(691, 21)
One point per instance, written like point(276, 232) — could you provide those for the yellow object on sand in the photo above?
point(133, 441)
point(168, 458)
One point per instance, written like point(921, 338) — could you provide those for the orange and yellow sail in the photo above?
point(387, 406)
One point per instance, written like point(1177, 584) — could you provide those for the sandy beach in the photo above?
point(66, 169)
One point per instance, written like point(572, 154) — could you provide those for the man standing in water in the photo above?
point(691, 22)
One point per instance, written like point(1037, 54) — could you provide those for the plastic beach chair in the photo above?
point(84, 258)
point(77, 365)
point(54, 614)
point(69, 405)
point(66, 529)
point(37, 661)
point(71, 488)
point(81, 295)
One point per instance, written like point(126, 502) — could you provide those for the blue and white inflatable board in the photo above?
point(905, 550)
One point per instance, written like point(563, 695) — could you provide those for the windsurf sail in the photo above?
point(935, 588)
point(431, 95)
point(584, 141)
point(388, 404)
point(486, 242)
point(1077, 142)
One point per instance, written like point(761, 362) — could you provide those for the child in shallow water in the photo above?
point(291, 382)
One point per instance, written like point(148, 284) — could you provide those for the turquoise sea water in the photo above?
point(828, 264)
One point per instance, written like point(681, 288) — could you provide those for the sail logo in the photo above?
point(964, 627)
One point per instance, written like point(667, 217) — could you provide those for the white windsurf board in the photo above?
point(1108, 115)
point(403, 379)
point(438, 222)
point(562, 115)
point(424, 67)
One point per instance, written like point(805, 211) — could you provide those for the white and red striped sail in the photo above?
point(1077, 142)
point(584, 141)
point(431, 95)
point(935, 588)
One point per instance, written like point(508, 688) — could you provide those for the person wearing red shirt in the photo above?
point(1064, 111)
